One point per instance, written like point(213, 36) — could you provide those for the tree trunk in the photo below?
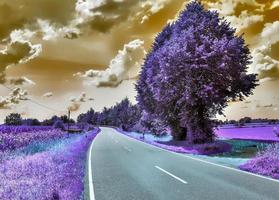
point(199, 130)
point(179, 134)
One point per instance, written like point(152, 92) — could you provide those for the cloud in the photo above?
point(124, 66)
point(264, 65)
point(77, 101)
point(13, 98)
point(18, 50)
point(228, 7)
point(81, 98)
point(102, 15)
point(270, 33)
point(244, 20)
point(20, 81)
point(268, 106)
point(274, 4)
point(48, 94)
point(53, 31)
point(149, 8)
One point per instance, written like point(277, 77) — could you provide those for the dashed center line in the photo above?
point(170, 174)
point(127, 149)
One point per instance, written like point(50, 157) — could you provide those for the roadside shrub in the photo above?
point(59, 124)
point(265, 163)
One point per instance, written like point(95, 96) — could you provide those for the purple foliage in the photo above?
point(186, 147)
point(123, 114)
point(265, 163)
point(59, 125)
point(149, 123)
point(20, 129)
point(53, 174)
point(31, 122)
point(197, 64)
point(15, 137)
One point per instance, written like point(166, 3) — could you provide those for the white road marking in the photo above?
point(197, 159)
point(90, 179)
point(128, 149)
point(177, 178)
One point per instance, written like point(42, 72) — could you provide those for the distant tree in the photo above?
point(149, 123)
point(59, 124)
point(89, 117)
point(123, 114)
point(31, 122)
point(196, 65)
point(13, 119)
point(126, 114)
point(245, 120)
point(51, 121)
point(65, 119)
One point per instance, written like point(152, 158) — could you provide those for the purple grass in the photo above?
point(265, 163)
point(53, 174)
point(12, 138)
point(20, 129)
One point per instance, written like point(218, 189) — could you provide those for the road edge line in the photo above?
point(90, 179)
point(197, 159)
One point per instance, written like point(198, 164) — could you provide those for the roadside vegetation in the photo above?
point(42, 162)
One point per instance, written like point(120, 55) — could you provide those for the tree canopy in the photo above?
point(195, 66)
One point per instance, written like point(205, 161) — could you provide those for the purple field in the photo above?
point(248, 133)
point(43, 164)
point(12, 137)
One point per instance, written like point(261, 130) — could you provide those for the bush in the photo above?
point(59, 124)
point(13, 119)
point(265, 163)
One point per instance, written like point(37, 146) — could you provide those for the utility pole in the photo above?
point(69, 116)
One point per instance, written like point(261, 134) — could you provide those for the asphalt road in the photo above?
point(126, 169)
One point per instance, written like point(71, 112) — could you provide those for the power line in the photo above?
point(35, 102)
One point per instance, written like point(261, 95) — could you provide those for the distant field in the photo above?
point(248, 133)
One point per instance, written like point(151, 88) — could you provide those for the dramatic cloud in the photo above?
point(149, 8)
point(48, 94)
point(263, 64)
point(53, 31)
point(102, 15)
point(244, 20)
point(124, 66)
point(270, 33)
point(18, 50)
point(228, 7)
point(13, 98)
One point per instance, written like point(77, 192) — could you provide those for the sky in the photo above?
point(77, 54)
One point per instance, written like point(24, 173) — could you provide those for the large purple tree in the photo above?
point(196, 65)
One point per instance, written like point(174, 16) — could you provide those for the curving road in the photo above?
point(125, 169)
